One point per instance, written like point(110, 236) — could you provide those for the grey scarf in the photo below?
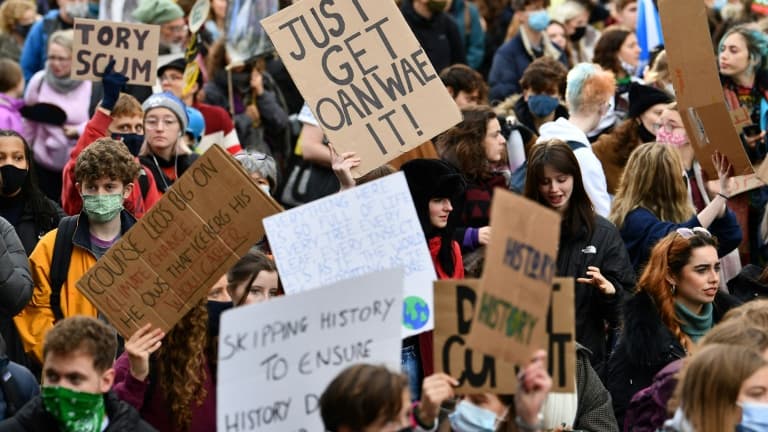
point(61, 85)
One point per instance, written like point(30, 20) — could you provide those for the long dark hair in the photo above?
point(463, 144)
point(608, 47)
point(579, 214)
point(44, 213)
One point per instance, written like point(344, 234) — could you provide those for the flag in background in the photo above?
point(648, 28)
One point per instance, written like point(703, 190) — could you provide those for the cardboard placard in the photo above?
point(561, 328)
point(695, 76)
point(455, 302)
point(134, 47)
point(367, 228)
point(511, 313)
point(366, 79)
point(168, 261)
point(277, 358)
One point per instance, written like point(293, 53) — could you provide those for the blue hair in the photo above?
point(575, 82)
point(757, 44)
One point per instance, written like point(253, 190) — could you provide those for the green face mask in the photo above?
point(436, 6)
point(74, 411)
point(102, 208)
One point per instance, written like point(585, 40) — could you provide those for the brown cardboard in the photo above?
point(562, 336)
point(134, 48)
point(455, 302)
point(514, 295)
point(476, 372)
point(693, 67)
point(366, 79)
point(169, 260)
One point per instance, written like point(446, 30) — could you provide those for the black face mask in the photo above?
point(132, 141)
point(579, 33)
point(22, 29)
point(646, 136)
point(241, 81)
point(215, 309)
point(13, 178)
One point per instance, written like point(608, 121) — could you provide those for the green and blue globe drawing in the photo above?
point(415, 313)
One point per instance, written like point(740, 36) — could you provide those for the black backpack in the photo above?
point(62, 254)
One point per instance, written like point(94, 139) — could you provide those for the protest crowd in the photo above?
point(210, 222)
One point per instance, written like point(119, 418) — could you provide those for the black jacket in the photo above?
point(439, 36)
point(27, 227)
point(156, 164)
point(646, 346)
point(33, 417)
point(605, 250)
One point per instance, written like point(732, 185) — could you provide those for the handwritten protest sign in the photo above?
point(455, 302)
point(693, 68)
point(511, 313)
point(561, 326)
point(364, 76)
point(166, 263)
point(370, 227)
point(134, 48)
point(276, 358)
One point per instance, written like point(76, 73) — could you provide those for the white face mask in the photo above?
point(77, 10)
point(265, 188)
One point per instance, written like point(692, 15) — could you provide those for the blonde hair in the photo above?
point(63, 38)
point(659, 73)
point(653, 180)
point(711, 382)
point(11, 11)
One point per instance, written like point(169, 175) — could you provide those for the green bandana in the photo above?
point(74, 411)
point(102, 208)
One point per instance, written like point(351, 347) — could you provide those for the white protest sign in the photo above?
point(276, 358)
point(368, 228)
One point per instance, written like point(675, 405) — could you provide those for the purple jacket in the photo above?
point(154, 409)
point(10, 117)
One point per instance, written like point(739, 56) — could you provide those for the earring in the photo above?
point(674, 288)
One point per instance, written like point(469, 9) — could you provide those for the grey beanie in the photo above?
point(167, 100)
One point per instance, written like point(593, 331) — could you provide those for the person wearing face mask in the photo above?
point(77, 377)
point(16, 18)
point(723, 388)
point(170, 17)
point(583, 37)
point(646, 105)
point(120, 117)
point(530, 43)
point(262, 169)
point(104, 175)
point(34, 53)
point(436, 31)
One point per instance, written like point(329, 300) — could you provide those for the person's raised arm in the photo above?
point(717, 208)
point(312, 146)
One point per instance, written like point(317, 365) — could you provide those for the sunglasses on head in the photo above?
point(687, 233)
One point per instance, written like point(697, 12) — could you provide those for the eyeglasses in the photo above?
point(171, 77)
point(153, 123)
point(177, 29)
point(687, 233)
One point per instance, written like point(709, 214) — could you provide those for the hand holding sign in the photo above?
point(113, 83)
point(436, 389)
point(140, 346)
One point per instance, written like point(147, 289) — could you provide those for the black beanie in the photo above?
point(428, 179)
point(642, 97)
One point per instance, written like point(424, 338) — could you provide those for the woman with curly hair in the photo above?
point(676, 302)
point(477, 148)
point(171, 383)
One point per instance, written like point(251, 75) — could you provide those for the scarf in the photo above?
point(695, 326)
point(62, 85)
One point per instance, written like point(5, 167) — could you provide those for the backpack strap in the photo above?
point(143, 183)
point(62, 254)
point(13, 399)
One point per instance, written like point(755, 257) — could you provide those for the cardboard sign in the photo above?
point(368, 228)
point(166, 263)
point(364, 76)
point(455, 302)
point(277, 358)
point(511, 312)
point(561, 326)
point(134, 48)
point(693, 68)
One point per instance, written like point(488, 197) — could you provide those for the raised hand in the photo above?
point(140, 346)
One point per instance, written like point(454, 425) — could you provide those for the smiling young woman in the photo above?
point(590, 246)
